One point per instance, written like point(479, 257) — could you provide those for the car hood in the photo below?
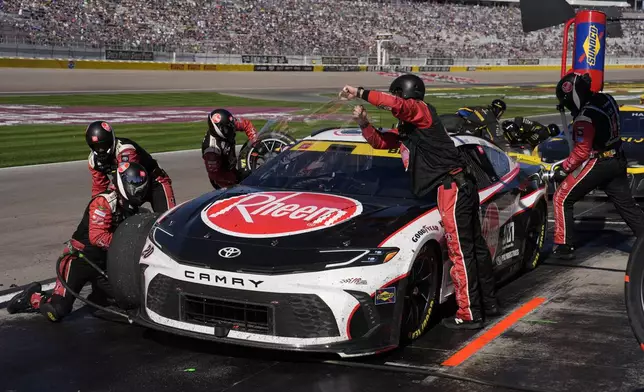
point(278, 231)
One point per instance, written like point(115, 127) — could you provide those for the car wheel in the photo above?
point(123, 256)
point(266, 147)
point(634, 290)
point(422, 292)
point(534, 237)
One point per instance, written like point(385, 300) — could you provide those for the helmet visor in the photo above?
point(134, 187)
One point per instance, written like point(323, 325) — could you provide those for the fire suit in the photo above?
point(220, 157)
point(531, 132)
point(436, 165)
point(481, 121)
point(93, 236)
point(596, 161)
point(160, 195)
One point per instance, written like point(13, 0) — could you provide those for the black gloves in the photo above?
point(558, 173)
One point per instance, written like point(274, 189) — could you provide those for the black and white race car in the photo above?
point(321, 249)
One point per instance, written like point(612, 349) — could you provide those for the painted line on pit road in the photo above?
point(488, 336)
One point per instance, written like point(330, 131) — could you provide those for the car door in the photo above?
point(499, 201)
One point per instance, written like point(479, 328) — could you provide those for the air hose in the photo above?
point(80, 255)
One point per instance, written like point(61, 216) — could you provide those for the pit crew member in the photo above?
point(437, 166)
point(92, 237)
point(108, 151)
point(523, 131)
point(218, 147)
point(597, 160)
point(483, 121)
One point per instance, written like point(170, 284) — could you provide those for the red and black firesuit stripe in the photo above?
point(435, 164)
point(597, 160)
point(160, 194)
point(93, 236)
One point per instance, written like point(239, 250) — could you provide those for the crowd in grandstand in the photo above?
point(299, 27)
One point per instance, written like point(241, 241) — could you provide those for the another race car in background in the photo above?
point(632, 130)
point(323, 248)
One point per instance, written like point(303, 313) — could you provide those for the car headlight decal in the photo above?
point(364, 256)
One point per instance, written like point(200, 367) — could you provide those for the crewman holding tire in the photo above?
point(436, 165)
point(597, 160)
point(218, 147)
point(92, 237)
point(109, 151)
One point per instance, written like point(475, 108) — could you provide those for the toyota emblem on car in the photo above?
point(229, 252)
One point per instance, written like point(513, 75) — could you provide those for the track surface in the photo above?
point(577, 340)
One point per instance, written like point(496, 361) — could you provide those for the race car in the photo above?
point(632, 130)
point(322, 249)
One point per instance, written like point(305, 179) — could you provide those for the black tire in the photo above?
point(123, 256)
point(634, 290)
point(421, 297)
point(535, 235)
point(250, 158)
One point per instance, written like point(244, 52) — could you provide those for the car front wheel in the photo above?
point(422, 294)
point(634, 290)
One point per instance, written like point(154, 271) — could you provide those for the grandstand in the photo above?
point(297, 27)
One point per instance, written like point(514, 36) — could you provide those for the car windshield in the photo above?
point(350, 168)
point(341, 163)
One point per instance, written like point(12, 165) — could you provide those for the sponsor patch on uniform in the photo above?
point(100, 213)
point(278, 214)
point(385, 296)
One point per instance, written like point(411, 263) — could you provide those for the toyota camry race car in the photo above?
point(632, 131)
point(323, 249)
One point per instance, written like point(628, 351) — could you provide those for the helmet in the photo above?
point(573, 91)
point(498, 107)
point(511, 131)
point(221, 123)
point(99, 136)
point(132, 183)
point(553, 130)
point(408, 86)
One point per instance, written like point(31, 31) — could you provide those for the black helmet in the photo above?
point(221, 123)
point(132, 183)
point(99, 136)
point(408, 86)
point(498, 107)
point(553, 130)
point(511, 132)
point(573, 91)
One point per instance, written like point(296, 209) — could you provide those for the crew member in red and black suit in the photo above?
point(596, 160)
point(92, 237)
point(109, 151)
point(436, 165)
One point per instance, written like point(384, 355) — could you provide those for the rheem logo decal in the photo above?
point(279, 214)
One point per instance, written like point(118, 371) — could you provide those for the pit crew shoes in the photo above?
point(457, 323)
point(22, 302)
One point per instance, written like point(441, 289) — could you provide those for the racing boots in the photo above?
point(457, 323)
point(22, 301)
point(564, 252)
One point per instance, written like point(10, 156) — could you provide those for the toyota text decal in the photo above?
point(278, 214)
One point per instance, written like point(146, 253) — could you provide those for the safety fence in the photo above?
point(191, 66)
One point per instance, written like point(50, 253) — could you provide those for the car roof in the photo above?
point(355, 135)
